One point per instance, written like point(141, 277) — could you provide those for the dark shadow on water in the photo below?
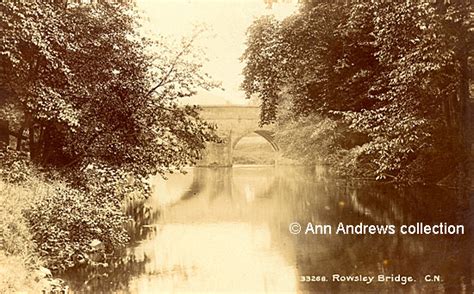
point(121, 268)
point(449, 256)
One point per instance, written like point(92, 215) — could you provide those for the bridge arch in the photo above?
point(267, 135)
point(233, 123)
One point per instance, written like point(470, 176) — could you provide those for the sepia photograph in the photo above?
point(236, 146)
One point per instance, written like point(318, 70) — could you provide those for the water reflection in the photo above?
point(216, 230)
point(213, 258)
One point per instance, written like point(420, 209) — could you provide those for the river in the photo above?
point(227, 229)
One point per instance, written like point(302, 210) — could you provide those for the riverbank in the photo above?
point(21, 267)
point(47, 227)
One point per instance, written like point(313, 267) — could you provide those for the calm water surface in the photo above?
point(226, 229)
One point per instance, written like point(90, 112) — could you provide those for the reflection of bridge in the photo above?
point(233, 123)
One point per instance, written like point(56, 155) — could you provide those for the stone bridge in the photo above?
point(233, 123)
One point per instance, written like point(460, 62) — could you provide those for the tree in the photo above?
point(87, 88)
point(98, 104)
point(389, 78)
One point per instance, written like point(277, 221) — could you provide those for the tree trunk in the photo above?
point(4, 132)
point(31, 141)
point(19, 139)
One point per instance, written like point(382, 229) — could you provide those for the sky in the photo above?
point(228, 21)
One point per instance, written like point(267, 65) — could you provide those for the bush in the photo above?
point(14, 166)
point(66, 225)
point(48, 219)
point(112, 183)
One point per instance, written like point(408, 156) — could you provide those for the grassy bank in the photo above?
point(47, 226)
point(20, 262)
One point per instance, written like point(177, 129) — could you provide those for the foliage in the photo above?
point(98, 105)
point(260, 75)
point(88, 88)
point(112, 183)
point(14, 166)
point(377, 90)
point(419, 73)
point(319, 134)
point(50, 220)
point(65, 223)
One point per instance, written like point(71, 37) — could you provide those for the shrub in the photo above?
point(113, 183)
point(44, 221)
point(60, 224)
point(14, 166)
point(67, 223)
